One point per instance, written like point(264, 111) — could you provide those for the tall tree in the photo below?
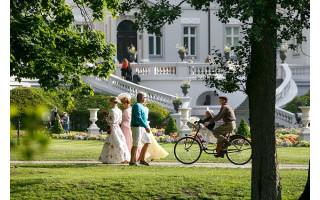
point(44, 45)
point(266, 23)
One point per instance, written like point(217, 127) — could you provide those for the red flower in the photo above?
point(105, 112)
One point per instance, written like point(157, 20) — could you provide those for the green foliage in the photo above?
point(171, 126)
point(36, 139)
point(243, 129)
point(157, 114)
point(79, 114)
point(57, 127)
point(45, 46)
point(293, 105)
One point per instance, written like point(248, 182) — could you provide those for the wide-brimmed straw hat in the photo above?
point(124, 95)
point(114, 99)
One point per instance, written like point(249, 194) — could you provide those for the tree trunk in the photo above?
point(261, 85)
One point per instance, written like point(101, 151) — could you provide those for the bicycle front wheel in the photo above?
point(187, 150)
point(239, 152)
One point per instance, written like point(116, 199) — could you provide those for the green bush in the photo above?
point(157, 114)
point(171, 127)
point(79, 114)
point(57, 127)
point(243, 129)
point(293, 105)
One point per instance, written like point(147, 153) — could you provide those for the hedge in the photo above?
point(79, 114)
point(293, 105)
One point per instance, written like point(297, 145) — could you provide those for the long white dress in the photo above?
point(115, 149)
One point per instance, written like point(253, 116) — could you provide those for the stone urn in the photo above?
point(305, 118)
point(176, 106)
point(185, 89)
point(93, 129)
point(227, 55)
point(132, 57)
point(182, 55)
point(283, 56)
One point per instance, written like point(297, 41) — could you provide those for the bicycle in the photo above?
point(188, 149)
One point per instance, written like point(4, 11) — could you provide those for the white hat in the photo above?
point(124, 95)
point(211, 113)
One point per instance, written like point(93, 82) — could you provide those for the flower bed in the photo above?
point(79, 136)
point(284, 137)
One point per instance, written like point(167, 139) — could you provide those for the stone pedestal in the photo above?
point(93, 129)
point(185, 114)
point(304, 134)
point(176, 117)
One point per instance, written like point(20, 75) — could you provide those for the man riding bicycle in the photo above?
point(227, 114)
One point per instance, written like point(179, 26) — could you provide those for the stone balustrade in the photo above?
point(300, 72)
point(115, 85)
point(285, 118)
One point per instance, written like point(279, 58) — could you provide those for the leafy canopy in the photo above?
point(44, 45)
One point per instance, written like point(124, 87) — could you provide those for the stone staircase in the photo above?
point(243, 110)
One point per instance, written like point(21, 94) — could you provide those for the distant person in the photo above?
point(124, 68)
point(136, 78)
point(191, 60)
point(54, 115)
point(129, 73)
point(208, 59)
point(65, 122)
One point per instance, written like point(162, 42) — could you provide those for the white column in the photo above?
point(145, 47)
point(113, 32)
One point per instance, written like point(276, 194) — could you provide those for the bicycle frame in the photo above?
point(206, 150)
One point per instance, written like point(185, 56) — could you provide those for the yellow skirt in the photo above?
point(155, 151)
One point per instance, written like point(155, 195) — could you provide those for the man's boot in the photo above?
point(219, 152)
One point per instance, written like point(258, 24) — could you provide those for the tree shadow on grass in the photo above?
point(18, 186)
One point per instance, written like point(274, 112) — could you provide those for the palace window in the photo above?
point(232, 37)
point(155, 45)
point(189, 39)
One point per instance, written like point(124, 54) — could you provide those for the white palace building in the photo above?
point(162, 71)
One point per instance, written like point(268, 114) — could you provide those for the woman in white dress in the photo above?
point(115, 149)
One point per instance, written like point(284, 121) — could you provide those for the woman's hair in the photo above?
point(125, 100)
point(114, 99)
point(125, 60)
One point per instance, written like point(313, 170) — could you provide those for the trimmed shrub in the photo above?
point(79, 114)
point(57, 127)
point(157, 114)
point(293, 105)
point(171, 126)
point(243, 129)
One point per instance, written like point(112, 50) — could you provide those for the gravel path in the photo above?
point(170, 164)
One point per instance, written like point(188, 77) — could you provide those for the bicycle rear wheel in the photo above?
point(187, 150)
point(239, 152)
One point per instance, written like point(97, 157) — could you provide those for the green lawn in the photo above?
point(76, 150)
point(48, 181)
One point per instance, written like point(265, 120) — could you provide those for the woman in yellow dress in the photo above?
point(155, 150)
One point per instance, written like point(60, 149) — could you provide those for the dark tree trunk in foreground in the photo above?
point(306, 192)
point(261, 85)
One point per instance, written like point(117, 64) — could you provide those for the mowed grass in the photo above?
point(82, 150)
point(66, 181)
